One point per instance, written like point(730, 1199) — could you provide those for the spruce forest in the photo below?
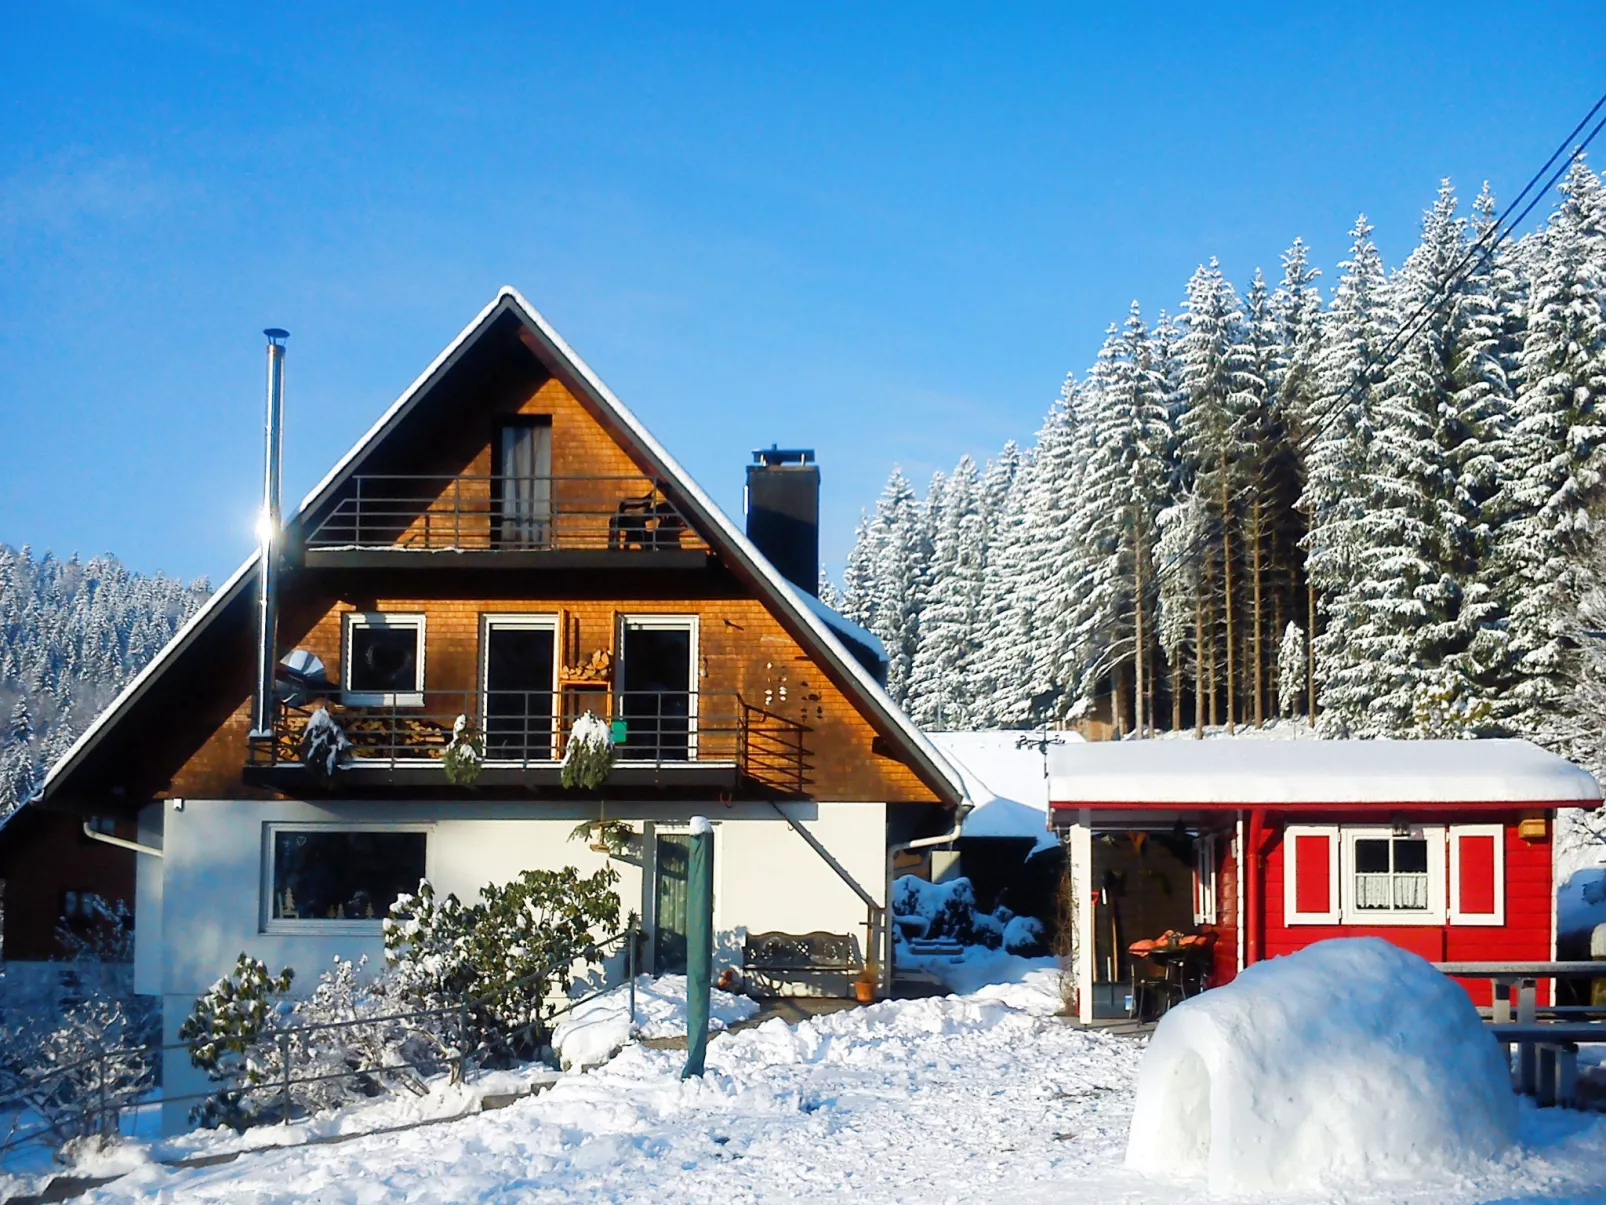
point(71, 634)
point(1374, 511)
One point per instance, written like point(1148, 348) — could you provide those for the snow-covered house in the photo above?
point(508, 544)
point(1442, 847)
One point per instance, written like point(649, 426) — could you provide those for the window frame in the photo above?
point(1206, 909)
point(671, 622)
point(351, 620)
point(1433, 914)
point(532, 621)
point(1494, 919)
point(304, 925)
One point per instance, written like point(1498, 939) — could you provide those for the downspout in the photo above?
point(884, 987)
point(120, 843)
point(268, 533)
point(1255, 885)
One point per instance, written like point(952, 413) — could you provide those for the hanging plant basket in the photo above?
point(611, 837)
point(465, 754)
point(588, 757)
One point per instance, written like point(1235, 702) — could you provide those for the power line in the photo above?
point(1485, 246)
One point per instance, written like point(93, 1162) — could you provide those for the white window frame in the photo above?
point(1433, 914)
point(660, 621)
point(380, 698)
point(1334, 913)
point(268, 923)
point(1487, 919)
point(1205, 911)
point(532, 621)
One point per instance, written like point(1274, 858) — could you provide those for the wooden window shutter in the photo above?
point(1310, 874)
point(1477, 874)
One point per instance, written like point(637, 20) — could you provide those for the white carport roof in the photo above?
point(1227, 772)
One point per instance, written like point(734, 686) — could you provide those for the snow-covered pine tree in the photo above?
point(1290, 670)
point(1556, 476)
point(940, 678)
point(1337, 431)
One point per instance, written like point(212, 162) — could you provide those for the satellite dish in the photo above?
point(301, 678)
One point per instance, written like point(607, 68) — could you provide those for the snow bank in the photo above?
point(594, 1031)
point(1350, 1060)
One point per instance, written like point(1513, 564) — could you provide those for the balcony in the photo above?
point(573, 522)
point(703, 739)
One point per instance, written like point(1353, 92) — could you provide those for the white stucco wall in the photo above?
point(148, 881)
point(209, 894)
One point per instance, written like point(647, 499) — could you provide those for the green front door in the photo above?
point(669, 939)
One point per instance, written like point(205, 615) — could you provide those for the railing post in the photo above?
point(284, 1090)
point(356, 518)
point(457, 512)
point(630, 972)
point(100, 1069)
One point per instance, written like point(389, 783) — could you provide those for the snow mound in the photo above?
point(1350, 1060)
point(596, 1030)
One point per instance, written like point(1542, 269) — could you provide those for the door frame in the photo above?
point(662, 622)
point(527, 621)
point(651, 831)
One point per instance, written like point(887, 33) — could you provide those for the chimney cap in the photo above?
point(276, 333)
point(775, 455)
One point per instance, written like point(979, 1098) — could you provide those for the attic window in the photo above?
point(384, 660)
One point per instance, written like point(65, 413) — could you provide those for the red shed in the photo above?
point(1262, 847)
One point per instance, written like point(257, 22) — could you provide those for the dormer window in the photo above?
point(384, 660)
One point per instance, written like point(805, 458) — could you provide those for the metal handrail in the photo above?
point(531, 728)
point(114, 1102)
point(467, 512)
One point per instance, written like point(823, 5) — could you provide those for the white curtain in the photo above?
point(526, 485)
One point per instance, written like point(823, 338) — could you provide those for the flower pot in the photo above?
point(864, 991)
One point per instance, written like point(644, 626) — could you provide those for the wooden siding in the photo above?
point(1524, 936)
point(741, 647)
point(46, 856)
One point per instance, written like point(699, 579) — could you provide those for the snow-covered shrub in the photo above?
point(510, 954)
point(588, 756)
point(225, 1035)
point(323, 744)
point(464, 757)
point(948, 911)
point(1023, 935)
point(74, 1076)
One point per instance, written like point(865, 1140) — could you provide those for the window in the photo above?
point(384, 657)
point(655, 688)
point(79, 906)
point(1393, 875)
point(324, 876)
point(520, 677)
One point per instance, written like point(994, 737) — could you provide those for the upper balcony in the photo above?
point(572, 521)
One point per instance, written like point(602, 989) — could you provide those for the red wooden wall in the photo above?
point(1525, 935)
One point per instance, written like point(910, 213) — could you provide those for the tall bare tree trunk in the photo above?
point(1137, 618)
point(1198, 661)
point(1257, 622)
point(1210, 664)
point(1310, 648)
point(1226, 592)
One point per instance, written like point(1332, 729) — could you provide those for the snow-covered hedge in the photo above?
point(948, 910)
point(1350, 1060)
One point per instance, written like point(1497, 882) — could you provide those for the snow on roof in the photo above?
point(744, 550)
point(843, 626)
point(1339, 771)
point(1005, 780)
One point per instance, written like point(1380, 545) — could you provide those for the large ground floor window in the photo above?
point(325, 875)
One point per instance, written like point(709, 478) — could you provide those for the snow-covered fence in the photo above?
point(84, 1098)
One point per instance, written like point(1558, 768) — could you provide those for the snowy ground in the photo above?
point(976, 1098)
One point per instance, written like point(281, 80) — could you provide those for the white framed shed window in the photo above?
point(338, 878)
point(1311, 874)
point(1204, 880)
point(1477, 874)
point(1393, 875)
point(382, 659)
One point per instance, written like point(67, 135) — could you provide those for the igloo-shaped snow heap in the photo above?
point(1350, 1060)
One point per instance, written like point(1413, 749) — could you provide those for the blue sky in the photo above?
point(887, 236)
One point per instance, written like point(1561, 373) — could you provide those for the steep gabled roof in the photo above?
point(724, 537)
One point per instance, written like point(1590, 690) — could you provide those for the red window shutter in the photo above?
point(1313, 870)
point(1477, 875)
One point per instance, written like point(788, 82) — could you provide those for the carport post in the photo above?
point(699, 943)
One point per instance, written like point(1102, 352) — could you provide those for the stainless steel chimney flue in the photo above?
point(268, 536)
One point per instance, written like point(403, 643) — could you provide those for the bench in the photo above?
point(823, 963)
point(1547, 1056)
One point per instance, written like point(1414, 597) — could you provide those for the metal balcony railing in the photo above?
point(531, 729)
point(503, 513)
